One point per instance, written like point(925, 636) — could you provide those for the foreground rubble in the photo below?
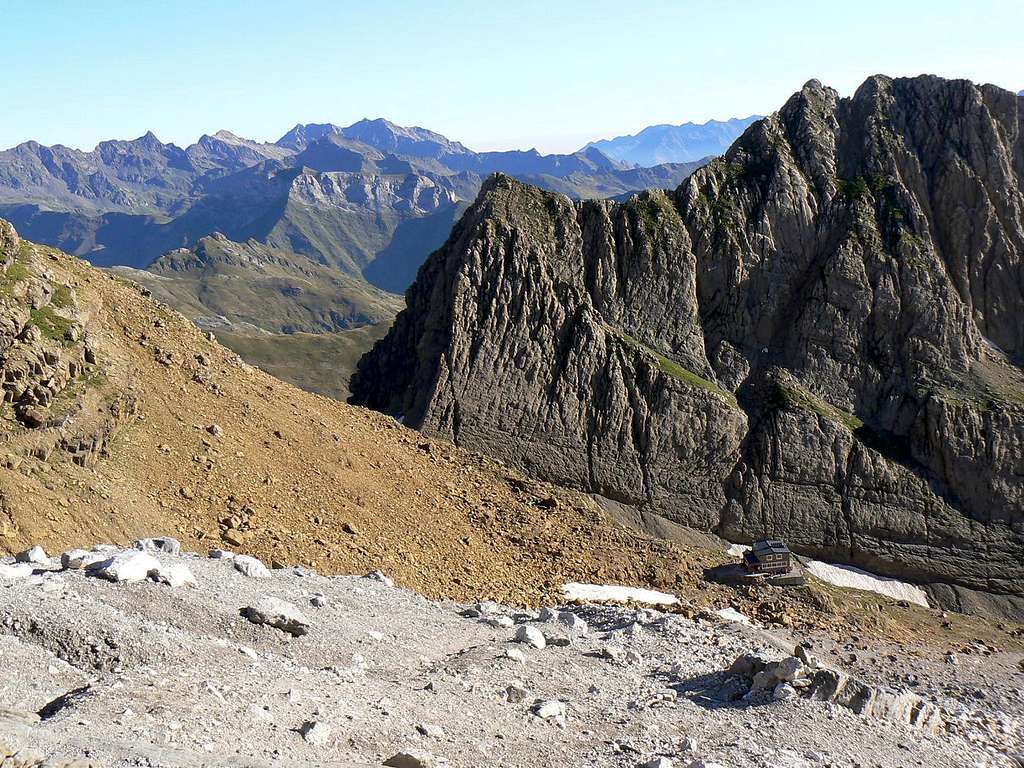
point(227, 669)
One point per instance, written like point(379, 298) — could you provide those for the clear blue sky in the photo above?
point(517, 74)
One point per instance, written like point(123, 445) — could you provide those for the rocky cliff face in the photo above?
point(818, 336)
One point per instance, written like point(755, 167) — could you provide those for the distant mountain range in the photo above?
point(342, 196)
point(311, 234)
point(684, 143)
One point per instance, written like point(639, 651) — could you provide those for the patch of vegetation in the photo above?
point(315, 362)
point(651, 208)
point(857, 189)
point(15, 273)
point(52, 325)
point(890, 211)
point(676, 371)
point(791, 395)
point(983, 398)
point(62, 298)
point(95, 380)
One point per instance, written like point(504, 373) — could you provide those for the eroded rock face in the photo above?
point(54, 395)
point(817, 337)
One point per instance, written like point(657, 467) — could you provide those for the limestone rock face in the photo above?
point(817, 336)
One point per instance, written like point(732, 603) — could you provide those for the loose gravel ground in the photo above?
point(153, 675)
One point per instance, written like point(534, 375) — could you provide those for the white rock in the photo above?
point(531, 636)
point(318, 601)
point(486, 608)
point(126, 566)
point(784, 692)
point(34, 556)
point(221, 554)
point(379, 576)
point(809, 659)
point(175, 575)
point(430, 731)
point(278, 613)
point(549, 708)
point(15, 571)
point(576, 624)
point(165, 544)
point(515, 692)
point(515, 655)
point(788, 669)
point(316, 733)
point(251, 567)
point(613, 653)
point(77, 559)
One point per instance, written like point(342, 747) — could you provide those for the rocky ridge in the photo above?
point(816, 337)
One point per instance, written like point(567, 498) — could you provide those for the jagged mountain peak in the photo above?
point(303, 134)
point(810, 316)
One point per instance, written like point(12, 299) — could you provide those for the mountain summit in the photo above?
point(684, 143)
point(817, 336)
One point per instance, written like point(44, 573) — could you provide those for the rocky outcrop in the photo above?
point(816, 336)
point(55, 397)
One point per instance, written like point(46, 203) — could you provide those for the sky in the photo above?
point(493, 75)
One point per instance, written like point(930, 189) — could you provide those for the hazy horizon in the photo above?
point(491, 78)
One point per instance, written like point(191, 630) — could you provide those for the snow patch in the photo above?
point(731, 614)
point(616, 594)
point(854, 578)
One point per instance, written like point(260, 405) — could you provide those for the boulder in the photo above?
point(316, 733)
point(278, 613)
point(576, 624)
point(549, 709)
point(77, 559)
point(125, 567)
point(165, 544)
point(516, 692)
point(34, 556)
point(175, 575)
point(897, 706)
point(411, 759)
point(530, 636)
point(251, 567)
point(10, 572)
